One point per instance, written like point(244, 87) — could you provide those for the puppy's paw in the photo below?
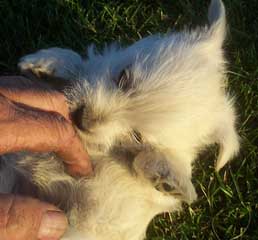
point(52, 62)
point(158, 169)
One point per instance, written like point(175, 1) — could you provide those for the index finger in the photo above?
point(29, 129)
point(77, 160)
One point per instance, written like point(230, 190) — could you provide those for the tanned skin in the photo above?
point(35, 118)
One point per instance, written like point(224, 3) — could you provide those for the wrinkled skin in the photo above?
point(24, 218)
point(35, 118)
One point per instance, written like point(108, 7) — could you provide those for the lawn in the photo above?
point(227, 207)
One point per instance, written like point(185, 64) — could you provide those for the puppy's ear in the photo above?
point(125, 79)
point(217, 22)
point(166, 174)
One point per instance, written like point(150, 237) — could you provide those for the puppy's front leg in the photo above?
point(53, 62)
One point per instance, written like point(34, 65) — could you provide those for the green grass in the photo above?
point(228, 202)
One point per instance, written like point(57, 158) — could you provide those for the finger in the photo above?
point(75, 157)
point(25, 128)
point(28, 129)
point(29, 219)
point(34, 94)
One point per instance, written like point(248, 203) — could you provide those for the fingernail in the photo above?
point(53, 225)
point(80, 170)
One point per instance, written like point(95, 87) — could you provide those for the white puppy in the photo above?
point(144, 113)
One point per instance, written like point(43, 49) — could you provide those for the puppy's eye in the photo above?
point(78, 117)
point(137, 136)
point(124, 80)
point(167, 187)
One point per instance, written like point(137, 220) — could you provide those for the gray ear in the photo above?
point(166, 174)
point(216, 12)
point(125, 80)
point(217, 21)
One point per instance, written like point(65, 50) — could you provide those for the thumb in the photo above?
point(23, 218)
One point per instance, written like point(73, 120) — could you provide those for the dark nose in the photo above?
point(78, 117)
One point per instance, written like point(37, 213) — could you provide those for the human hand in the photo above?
point(29, 219)
point(35, 118)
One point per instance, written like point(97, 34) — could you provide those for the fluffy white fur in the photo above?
point(145, 113)
point(177, 98)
